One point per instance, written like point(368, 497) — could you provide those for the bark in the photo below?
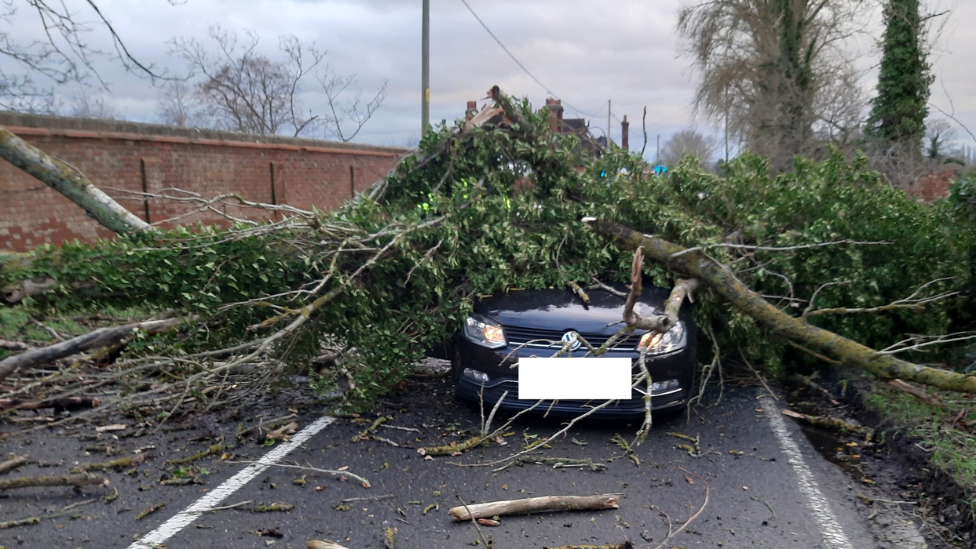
point(70, 182)
point(531, 505)
point(91, 340)
point(694, 263)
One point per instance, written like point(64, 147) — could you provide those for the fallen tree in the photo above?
point(493, 205)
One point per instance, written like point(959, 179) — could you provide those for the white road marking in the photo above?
point(183, 519)
point(830, 528)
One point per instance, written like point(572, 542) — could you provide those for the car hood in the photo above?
point(563, 310)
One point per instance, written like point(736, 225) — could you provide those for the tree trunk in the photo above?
point(70, 182)
point(719, 278)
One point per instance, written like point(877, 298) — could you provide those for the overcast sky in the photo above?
point(586, 52)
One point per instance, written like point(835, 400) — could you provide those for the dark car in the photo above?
point(539, 323)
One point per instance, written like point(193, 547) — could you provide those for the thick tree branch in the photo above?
point(793, 329)
point(70, 182)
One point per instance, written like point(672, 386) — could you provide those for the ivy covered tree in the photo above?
point(897, 119)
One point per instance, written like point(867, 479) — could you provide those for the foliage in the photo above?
point(899, 110)
point(483, 210)
point(962, 195)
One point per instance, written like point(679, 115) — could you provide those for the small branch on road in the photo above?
point(114, 464)
point(708, 492)
point(473, 521)
point(362, 480)
point(77, 480)
point(150, 511)
point(318, 544)
point(36, 519)
point(530, 505)
point(556, 462)
point(13, 463)
point(832, 423)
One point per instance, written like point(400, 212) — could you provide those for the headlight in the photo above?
point(669, 341)
point(484, 331)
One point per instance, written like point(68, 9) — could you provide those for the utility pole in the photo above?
point(425, 71)
point(608, 124)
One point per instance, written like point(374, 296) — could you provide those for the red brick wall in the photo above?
point(124, 158)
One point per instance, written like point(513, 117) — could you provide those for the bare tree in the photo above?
point(33, 67)
point(245, 91)
point(177, 106)
point(687, 142)
point(347, 117)
point(774, 70)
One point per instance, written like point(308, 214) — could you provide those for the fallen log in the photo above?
point(695, 263)
point(92, 340)
point(532, 505)
point(77, 480)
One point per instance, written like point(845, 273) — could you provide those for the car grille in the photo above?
point(551, 339)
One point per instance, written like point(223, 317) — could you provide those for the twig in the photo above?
point(368, 498)
point(150, 511)
point(364, 482)
point(35, 519)
point(231, 506)
point(758, 376)
point(556, 462)
point(692, 518)
point(474, 520)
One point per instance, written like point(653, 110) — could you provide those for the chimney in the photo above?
point(471, 110)
point(625, 134)
point(555, 107)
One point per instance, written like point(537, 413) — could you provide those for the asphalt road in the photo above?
point(759, 480)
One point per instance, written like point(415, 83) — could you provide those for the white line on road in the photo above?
point(183, 519)
point(830, 528)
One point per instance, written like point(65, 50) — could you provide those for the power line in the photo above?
point(519, 63)
point(510, 54)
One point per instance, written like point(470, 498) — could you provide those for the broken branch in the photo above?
point(531, 505)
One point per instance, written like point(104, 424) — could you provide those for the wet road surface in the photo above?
point(760, 490)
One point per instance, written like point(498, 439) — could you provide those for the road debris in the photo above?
point(150, 511)
point(556, 462)
point(529, 505)
point(13, 463)
point(115, 464)
point(832, 423)
point(76, 480)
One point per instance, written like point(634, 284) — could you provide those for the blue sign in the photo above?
point(660, 168)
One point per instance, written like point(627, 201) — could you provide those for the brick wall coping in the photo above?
point(45, 125)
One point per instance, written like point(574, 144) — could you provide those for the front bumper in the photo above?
point(499, 364)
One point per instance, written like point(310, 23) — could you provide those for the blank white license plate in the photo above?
point(567, 378)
